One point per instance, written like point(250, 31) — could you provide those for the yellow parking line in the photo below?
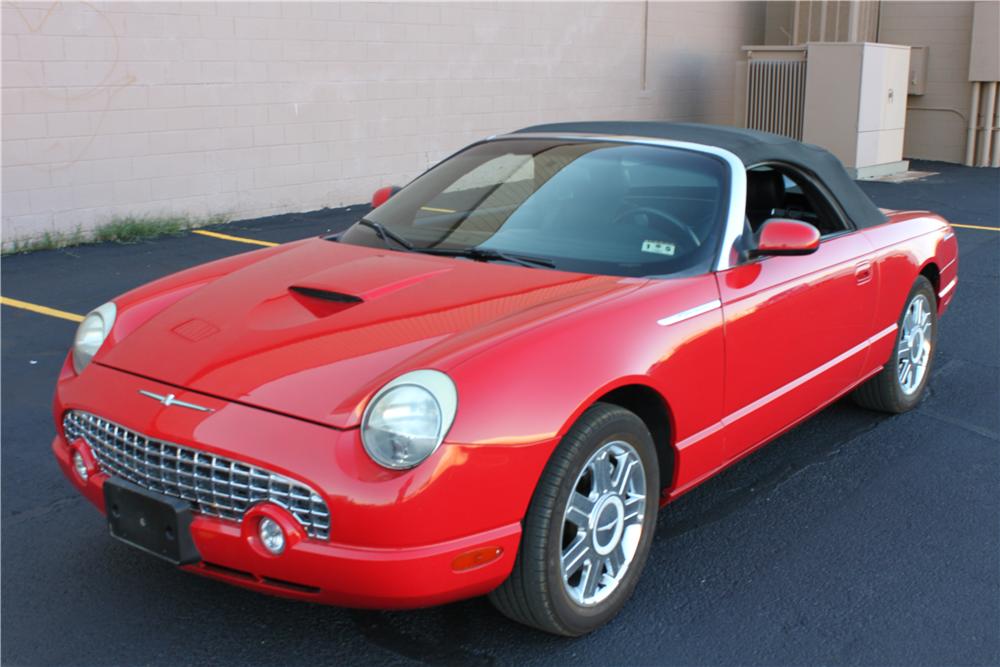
point(988, 229)
point(238, 239)
point(42, 310)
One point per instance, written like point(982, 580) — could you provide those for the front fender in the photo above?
point(533, 388)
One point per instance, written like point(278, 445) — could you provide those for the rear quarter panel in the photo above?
point(910, 243)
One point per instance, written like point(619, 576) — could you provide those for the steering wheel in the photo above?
point(666, 217)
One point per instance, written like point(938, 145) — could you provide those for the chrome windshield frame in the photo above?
point(728, 255)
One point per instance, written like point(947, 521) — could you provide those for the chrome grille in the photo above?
point(214, 485)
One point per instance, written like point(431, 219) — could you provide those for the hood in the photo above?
point(313, 330)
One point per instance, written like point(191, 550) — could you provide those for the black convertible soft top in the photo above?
point(750, 146)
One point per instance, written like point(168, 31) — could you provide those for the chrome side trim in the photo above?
point(689, 313)
point(947, 288)
point(736, 415)
point(802, 379)
point(737, 179)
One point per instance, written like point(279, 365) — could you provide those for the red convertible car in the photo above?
point(492, 382)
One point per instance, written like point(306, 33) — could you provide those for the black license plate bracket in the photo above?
point(157, 524)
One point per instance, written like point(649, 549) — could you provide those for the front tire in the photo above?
point(900, 385)
point(589, 527)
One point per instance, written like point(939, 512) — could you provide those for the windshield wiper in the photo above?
point(489, 255)
point(478, 254)
point(386, 234)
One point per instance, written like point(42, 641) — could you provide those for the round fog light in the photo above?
point(271, 535)
point(80, 466)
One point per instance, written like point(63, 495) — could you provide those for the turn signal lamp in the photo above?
point(476, 558)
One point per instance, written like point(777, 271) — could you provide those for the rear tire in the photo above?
point(901, 384)
point(588, 528)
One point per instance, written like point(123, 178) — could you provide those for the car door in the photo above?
point(796, 327)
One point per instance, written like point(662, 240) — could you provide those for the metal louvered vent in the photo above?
point(776, 92)
point(214, 485)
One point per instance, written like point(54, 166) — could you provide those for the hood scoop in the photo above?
point(367, 278)
point(340, 288)
point(318, 301)
point(325, 294)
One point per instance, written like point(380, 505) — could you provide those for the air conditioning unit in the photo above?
point(848, 97)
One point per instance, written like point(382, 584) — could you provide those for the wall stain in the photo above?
point(107, 86)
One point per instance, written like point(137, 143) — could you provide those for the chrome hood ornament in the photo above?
point(170, 399)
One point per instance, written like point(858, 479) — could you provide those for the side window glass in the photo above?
point(791, 186)
point(778, 193)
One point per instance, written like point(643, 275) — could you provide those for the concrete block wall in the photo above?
point(245, 109)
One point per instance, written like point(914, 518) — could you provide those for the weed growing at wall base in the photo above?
point(127, 229)
point(47, 241)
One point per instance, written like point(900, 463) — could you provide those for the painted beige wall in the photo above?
point(819, 21)
point(247, 109)
point(936, 122)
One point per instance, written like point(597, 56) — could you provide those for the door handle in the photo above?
point(863, 272)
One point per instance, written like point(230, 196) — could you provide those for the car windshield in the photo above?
point(586, 206)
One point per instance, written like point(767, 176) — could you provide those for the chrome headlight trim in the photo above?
point(91, 334)
point(440, 388)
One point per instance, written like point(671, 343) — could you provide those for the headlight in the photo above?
point(91, 333)
point(408, 418)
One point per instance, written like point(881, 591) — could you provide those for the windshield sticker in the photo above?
point(658, 247)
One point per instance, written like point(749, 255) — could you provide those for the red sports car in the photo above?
point(492, 382)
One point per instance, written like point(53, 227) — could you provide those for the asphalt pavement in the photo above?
point(857, 538)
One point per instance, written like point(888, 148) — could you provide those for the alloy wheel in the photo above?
point(602, 523)
point(914, 346)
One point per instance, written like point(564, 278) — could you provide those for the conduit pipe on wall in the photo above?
point(970, 141)
point(995, 139)
point(982, 145)
point(987, 138)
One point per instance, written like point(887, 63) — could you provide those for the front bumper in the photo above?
point(394, 536)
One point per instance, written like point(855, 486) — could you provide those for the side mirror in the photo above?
point(786, 237)
point(382, 195)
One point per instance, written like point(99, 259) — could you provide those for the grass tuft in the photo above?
point(129, 229)
point(47, 241)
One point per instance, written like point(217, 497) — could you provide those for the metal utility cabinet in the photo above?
point(855, 104)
